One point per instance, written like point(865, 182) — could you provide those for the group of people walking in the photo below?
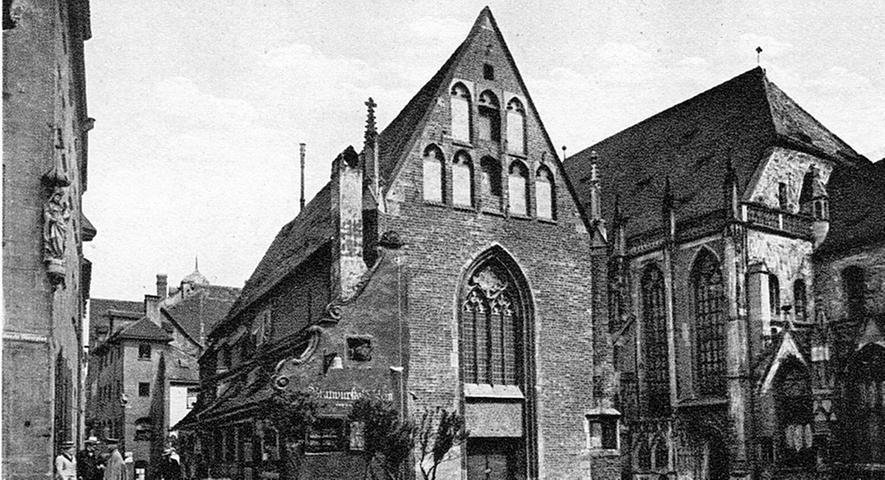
point(89, 464)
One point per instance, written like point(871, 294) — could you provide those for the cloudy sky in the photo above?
point(199, 110)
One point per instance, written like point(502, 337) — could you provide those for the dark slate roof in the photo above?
point(144, 329)
point(857, 207)
point(296, 241)
point(198, 313)
point(98, 307)
point(691, 144)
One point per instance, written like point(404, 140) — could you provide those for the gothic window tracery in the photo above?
point(490, 329)
point(654, 327)
point(800, 302)
point(707, 293)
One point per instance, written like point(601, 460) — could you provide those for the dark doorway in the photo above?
point(495, 459)
point(717, 460)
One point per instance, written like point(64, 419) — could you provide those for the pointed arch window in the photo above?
point(654, 326)
point(491, 328)
point(774, 297)
point(515, 126)
point(462, 179)
point(544, 198)
point(517, 184)
point(489, 127)
point(800, 303)
point(491, 183)
point(433, 174)
point(709, 317)
point(460, 110)
point(853, 288)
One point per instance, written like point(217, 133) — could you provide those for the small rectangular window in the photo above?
point(144, 389)
point(359, 349)
point(782, 201)
point(488, 72)
point(144, 351)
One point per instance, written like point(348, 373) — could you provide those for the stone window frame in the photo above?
point(516, 106)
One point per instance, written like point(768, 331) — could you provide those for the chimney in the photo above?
point(347, 213)
point(302, 147)
point(152, 308)
point(162, 286)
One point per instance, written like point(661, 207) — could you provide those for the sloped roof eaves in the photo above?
point(98, 307)
point(295, 242)
point(209, 305)
point(795, 124)
point(144, 329)
point(691, 143)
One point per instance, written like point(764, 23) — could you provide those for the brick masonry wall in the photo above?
point(442, 241)
point(40, 94)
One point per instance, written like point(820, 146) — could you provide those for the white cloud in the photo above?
point(181, 98)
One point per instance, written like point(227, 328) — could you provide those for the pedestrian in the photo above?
point(65, 464)
point(115, 469)
point(89, 465)
point(170, 468)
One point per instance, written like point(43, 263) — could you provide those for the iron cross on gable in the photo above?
point(371, 103)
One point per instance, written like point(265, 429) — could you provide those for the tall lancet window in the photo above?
point(517, 185)
point(460, 108)
point(544, 193)
point(489, 117)
point(462, 179)
point(515, 127)
point(654, 326)
point(774, 296)
point(800, 302)
point(707, 300)
point(491, 183)
point(433, 174)
point(491, 328)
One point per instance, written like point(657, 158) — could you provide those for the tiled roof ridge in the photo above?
point(145, 323)
point(683, 104)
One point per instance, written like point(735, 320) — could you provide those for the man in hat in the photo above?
point(89, 466)
point(65, 465)
point(115, 469)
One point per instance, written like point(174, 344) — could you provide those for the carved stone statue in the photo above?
point(56, 214)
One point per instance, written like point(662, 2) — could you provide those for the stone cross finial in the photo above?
point(371, 128)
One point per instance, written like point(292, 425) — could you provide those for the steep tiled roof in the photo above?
point(98, 307)
point(144, 329)
point(857, 207)
point(201, 310)
point(692, 142)
point(296, 241)
point(395, 140)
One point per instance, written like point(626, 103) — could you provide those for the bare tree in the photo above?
point(437, 432)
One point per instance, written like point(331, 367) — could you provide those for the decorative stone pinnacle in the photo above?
point(371, 128)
